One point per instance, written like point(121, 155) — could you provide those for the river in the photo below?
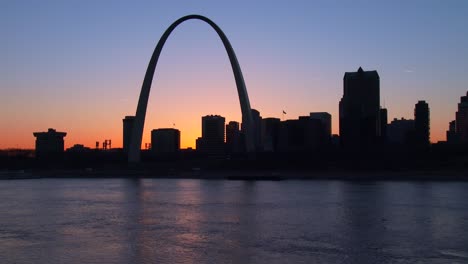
point(220, 221)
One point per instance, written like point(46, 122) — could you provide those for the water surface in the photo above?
point(219, 221)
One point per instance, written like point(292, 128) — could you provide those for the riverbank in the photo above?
point(271, 175)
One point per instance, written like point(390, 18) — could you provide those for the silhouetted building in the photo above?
point(257, 128)
point(213, 127)
point(461, 121)
point(421, 124)
point(400, 131)
point(360, 110)
point(212, 139)
point(233, 137)
point(452, 136)
point(326, 120)
point(79, 148)
point(335, 140)
point(302, 135)
point(127, 132)
point(49, 144)
point(270, 133)
point(383, 124)
point(165, 140)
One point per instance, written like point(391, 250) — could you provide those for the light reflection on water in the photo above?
point(201, 221)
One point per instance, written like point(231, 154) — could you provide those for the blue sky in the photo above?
point(78, 65)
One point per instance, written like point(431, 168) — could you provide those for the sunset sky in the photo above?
point(78, 66)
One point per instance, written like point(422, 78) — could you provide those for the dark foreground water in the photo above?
point(218, 221)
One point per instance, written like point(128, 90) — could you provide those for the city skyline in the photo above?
point(48, 85)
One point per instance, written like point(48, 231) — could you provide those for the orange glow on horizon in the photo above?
point(86, 80)
point(190, 131)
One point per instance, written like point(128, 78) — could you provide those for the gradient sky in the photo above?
point(78, 66)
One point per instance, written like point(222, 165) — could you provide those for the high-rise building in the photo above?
point(213, 127)
point(127, 131)
point(270, 133)
point(212, 139)
point(233, 137)
point(165, 140)
point(421, 124)
point(461, 121)
point(257, 128)
point(50, 143)
point(360, 110)
point(326, 120)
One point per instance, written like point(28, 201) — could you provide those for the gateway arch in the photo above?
point(139, 122)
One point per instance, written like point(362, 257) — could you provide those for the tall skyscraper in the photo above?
point(421, 124)
point(127, 131)
point(461, 121)
point(360, 110)
point(49, 144)
point(212, 139)
point(165, 140)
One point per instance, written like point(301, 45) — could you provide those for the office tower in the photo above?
point(360, 110)
point(257, 128)
point(326, 120)
point(270, 133)
point(461, 121)
point(213, 127)
point(165, 140)
point(452, 136)
point(400, 131)
point(127, 131)
point(233, 137)
point(212, 139)
point(232, 131)
point(49, 144)
point(301, 135)
point(421, 124)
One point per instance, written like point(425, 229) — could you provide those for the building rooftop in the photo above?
point(165, 129)
point(50, 132)
point(361, 73)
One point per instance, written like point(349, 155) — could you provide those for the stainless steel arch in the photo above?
point(139, 122)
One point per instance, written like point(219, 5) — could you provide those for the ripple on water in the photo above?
point(455, 253)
